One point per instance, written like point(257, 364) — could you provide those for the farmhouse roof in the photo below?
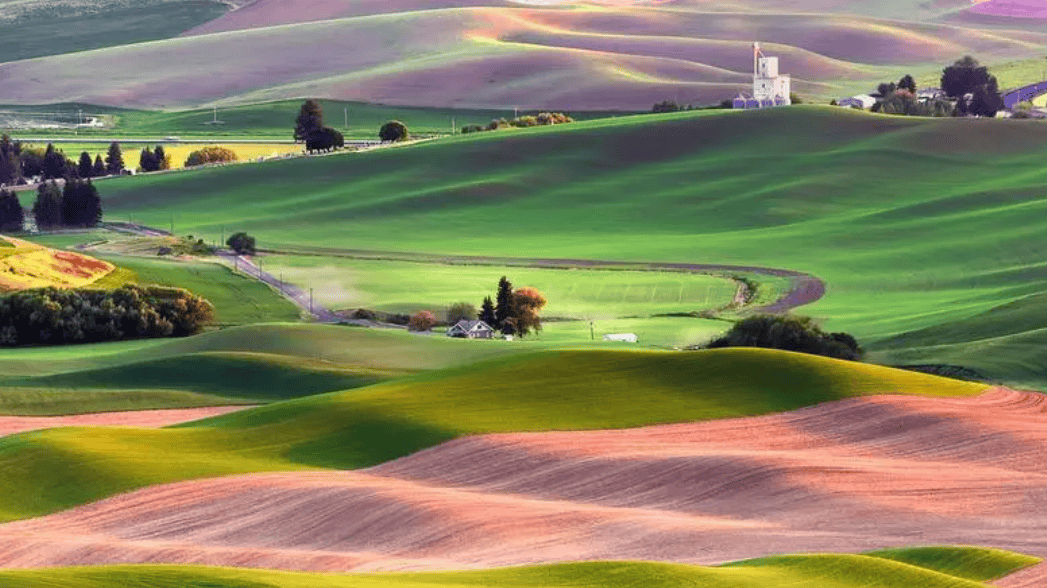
point(472, 326)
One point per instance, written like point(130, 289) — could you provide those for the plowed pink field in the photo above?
point(9, 425)
point(846, 476)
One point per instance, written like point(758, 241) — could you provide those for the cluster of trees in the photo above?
point(673, 106)
point(54, 316)
point(20, 162)
point(76, 204)
point(154, 160)
point(513, 312)
point(211, 154)
point(791, 333)
point(969, 88)
point(309, 127)
point(527, 120)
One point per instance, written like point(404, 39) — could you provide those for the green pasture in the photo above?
point(929, 568)
point(272, 120)
point(912, 222)
point(407, 287)
point(238, 299)
point(46, 471)
point(36, 28)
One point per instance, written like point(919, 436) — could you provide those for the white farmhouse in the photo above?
point(627, 337)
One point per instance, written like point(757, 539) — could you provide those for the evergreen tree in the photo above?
point(310, 119)
point(84, 168)
point(99, 168)
point(54, 163)
point(48, 206)
point(11, 215)
point(114, 160)
point(147, 161)
point(81, 206)
point(161, 158)
point(503, 310)
point(487, 312)
point(9, 172)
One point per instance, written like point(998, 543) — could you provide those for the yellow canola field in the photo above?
point(25, 265)
point(244, 151)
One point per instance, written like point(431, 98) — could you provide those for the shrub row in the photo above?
point(210, 155)
point(529, 120)
point(53, 316)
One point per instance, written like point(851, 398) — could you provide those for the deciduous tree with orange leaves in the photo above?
point(527, 303)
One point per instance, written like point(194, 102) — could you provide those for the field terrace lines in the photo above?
point(9, 425)
point(851, 475)
point(493, 56)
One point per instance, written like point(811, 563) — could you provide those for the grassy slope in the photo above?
point(825, 571)
point(407, 287)
point(273, 120)
point(38, 28)
point(914, 222)
point(45, 471)
point(237, 299)
point(258, 363)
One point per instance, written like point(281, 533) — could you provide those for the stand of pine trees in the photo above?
point(19, 163)
point(77, 204)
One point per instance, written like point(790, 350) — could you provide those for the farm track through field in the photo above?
point(804, 288)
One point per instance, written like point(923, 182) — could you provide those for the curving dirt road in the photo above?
point(804, 289)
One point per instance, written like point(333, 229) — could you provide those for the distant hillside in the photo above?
point(623, 57)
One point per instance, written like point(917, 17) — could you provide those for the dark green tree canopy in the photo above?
point(114, 159)
point(963, 76)
point(393, 130)
point(11, 214)
point(503, 308)
point(310, 119)
point(241, 243)
point(84, 168)
point(908, 83)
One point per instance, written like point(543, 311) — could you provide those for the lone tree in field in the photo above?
point(84, 168)
point(11, 214)
point(487, 312)
point(241, 243)
point(114, 160)
point(310, 119)
point(461, 311)
point(422, 321)
point(393, 130)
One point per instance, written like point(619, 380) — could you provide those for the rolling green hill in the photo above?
point(822, 570)
point(912, 222)
point(45, 471)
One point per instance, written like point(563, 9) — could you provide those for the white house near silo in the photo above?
point(769, 87)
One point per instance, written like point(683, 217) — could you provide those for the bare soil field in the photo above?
point(9, 425)
point(851, 475)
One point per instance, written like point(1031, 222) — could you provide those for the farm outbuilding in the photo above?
point(471, 330)
point(626, 337)
point(861, 101)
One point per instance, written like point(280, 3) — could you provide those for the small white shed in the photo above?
point(627, 337)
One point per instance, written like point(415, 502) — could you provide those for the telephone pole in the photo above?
point(592, 331)
point(310, 301)
point(347, 118)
